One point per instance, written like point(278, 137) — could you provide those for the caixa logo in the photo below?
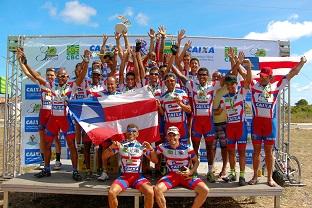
point(31, 124)
point(32, 92)
point(201, 49)
point(32, 156)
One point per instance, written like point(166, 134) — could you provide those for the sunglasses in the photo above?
point(62, 76)
point(156, 74)
point(202, 74)
point(132, 130)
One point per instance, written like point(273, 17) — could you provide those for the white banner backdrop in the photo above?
point(65, 51)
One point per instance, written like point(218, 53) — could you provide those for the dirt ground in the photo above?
point(301, 145)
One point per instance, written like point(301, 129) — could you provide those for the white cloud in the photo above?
point(51, 8)
point(284, 30)
point(141, 19)
point(77, 13)
point(299, 88)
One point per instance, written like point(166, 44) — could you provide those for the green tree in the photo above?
point(301, 102)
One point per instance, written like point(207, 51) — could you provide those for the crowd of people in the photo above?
point(193, 104)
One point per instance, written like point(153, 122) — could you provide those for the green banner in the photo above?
point(2, 85)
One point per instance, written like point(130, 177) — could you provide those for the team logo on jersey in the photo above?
point(181, 152)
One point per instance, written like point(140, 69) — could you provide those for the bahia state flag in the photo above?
point(107, 117)
point(281, 66)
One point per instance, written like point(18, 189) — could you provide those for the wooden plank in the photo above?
point(277, 201)
point(5, 199)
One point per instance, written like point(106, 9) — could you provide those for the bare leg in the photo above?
point(242, 159)
point(224, 155)
point(269, 163)
point(113, 192)
point(148, 191)
point(159, 190)
point(202, 193)
point(73, 151)
point(255, 163)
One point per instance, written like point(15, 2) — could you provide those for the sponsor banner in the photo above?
point(44, 52)
point(31, 124)
point(32, 92)
point(32, 156)
point(31, 140)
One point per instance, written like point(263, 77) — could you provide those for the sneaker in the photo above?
point(229, 178)
point(103, 176)
point(211, 177)
point(41, 165)
point(241, 181)
point(57, 166)
point(43, 173)
point(76, 176)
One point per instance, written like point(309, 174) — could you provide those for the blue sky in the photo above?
point(258, 19)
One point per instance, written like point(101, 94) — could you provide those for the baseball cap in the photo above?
point(173, 129)
point(230, 79)
point(96, 71)
point(266, 71)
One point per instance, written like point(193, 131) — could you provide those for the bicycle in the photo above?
point(287, 167)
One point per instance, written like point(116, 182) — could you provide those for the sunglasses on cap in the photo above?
point(132, 130)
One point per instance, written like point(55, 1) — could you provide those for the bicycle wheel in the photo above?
point(293, 170)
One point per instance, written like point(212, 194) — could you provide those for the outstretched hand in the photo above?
point(181, 35)
point(151, 33)
point(162, 31)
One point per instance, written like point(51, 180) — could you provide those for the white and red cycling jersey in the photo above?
point(79, 92)
point(131, 154)
point(264, 98)
point(234, 105)
point(95, 90)
point(46, 96)
point(202, 97)
point(176, 158)
point(173, 112)
point(60, 95)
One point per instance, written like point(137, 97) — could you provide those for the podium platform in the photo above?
point(61, 182)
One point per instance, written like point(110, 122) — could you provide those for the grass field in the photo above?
point(301, 146)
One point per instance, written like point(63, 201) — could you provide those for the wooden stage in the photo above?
point(61, 182)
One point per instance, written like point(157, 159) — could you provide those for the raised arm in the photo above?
point(181, 35)
point(136, 66)
point(22, 61)
point(162, 32)
point(122, 67)
point(103, 48)
point(84, 66)
point(187, 45)
point(31, 71)
point(175, 70)
point(140, 63)
point(247, 81)
point(118, 46)
point(152, 34)
point(125, 35)
point(297, 69)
